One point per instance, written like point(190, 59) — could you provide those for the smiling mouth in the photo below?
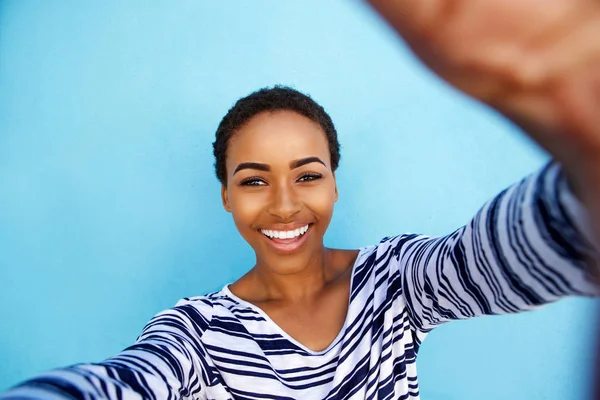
point(283, 235)
point(286, 241)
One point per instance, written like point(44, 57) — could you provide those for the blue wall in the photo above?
point(109, 210)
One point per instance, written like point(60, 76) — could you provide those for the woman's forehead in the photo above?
point(278, 134)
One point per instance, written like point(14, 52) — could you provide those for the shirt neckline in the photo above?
point(283, 333)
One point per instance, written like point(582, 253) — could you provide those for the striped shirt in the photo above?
point(524, 248)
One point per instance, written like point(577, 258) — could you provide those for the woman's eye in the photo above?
point(309, 177)
point(252, 182)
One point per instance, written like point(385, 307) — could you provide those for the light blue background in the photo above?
point(110, 212)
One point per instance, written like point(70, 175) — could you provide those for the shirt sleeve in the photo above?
point(528, 246)
point(166, 362)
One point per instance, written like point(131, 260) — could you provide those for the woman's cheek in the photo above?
point(321, 200)
point(246, 208)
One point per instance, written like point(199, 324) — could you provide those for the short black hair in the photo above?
point(277, 98)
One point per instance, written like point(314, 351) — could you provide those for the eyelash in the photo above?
point(256, 181)
point(252, 181)
point(311, 175)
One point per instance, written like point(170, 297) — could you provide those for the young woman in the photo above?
point(310, 322)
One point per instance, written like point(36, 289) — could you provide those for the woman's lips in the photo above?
point(287, 245)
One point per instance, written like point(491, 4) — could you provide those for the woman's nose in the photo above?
point(284, 202)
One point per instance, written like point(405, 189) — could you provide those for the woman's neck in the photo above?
point(262, 284)
point(305, 283)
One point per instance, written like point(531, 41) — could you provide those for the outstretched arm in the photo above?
point(526, 247)
point(164, 363)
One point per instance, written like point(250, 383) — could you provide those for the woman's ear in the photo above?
point(336, 191)
point(225, 198)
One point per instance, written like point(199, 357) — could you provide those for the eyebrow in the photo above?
point(265, 167)
point(303, 161)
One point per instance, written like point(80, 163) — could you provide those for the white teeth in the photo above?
point(285, 234)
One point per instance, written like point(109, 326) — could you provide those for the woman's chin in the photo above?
point(289, 262)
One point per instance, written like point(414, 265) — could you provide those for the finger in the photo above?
point(413, 19)
point(572, 42)
point(530, 31)
point(580, 101)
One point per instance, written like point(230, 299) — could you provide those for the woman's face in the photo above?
point(280, 188)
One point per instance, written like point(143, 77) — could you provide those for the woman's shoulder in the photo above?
point(192, 314)
point(389, 250)
point(206, 304)
point(390, 242)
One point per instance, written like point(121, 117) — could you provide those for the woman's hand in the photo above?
point(535, 61)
